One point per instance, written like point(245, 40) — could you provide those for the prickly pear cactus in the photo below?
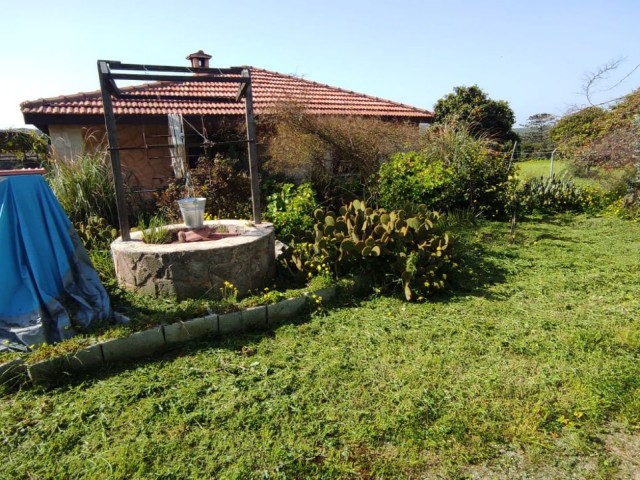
point(393, 246)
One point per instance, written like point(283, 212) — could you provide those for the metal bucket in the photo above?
point(192, 210)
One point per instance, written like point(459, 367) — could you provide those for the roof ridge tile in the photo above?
point(270, 88)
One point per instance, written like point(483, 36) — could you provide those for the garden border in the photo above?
point(159, 339)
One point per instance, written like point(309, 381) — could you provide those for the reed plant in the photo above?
point(84, 186)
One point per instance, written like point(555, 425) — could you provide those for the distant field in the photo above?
point(541, 168)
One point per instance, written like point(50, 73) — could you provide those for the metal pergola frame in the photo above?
point(109, 89)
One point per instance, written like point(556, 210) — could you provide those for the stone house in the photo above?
point(76, 122)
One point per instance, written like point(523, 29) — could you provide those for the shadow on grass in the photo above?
point(480, 264)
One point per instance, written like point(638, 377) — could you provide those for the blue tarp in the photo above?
point(48, 288)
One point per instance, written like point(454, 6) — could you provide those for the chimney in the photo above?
point(199, 59)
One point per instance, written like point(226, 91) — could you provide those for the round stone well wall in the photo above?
point(194, 269)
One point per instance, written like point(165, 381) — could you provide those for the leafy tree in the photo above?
point(484, 115)
point(536, 137)
point(577, 129)
point(23, 142)
point(596, 136)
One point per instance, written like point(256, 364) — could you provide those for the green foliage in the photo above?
point(84, 187)
point(103, 264)
point(413, 178)
point(395, 247)
point(228, 296)
point(453, 170)
point(535, 139)
point(20, 143)
point(227, 190)
point(96, 233)
point(155, 230)
point(596, 137)
point(555, 195)
point(577, 129)
point(474, 107)
point(291, 208)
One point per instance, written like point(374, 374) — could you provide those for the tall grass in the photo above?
point(84, 187)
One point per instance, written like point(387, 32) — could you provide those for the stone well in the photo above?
point(191, 270)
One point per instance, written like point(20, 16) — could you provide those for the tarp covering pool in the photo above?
point(48, 288)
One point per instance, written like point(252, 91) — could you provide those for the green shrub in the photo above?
point(555, 195)
point(96, 236)
point(227, 190)
point(618, 208)
point(21, 143)
point(453, 170)
point(291, 208)
point(84, 187)
point(389, 247)
point(96, 233)
point(412, 178)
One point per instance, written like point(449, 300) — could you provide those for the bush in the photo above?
point(320, 147)
point(84, 187)
point(227, 190)
point(453, 170)
point(291, 208)
point(555, 195)
point(22, 143)
point(96, 233)
point(389, 247)
point(411, 179)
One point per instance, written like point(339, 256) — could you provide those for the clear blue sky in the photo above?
point(531, 53)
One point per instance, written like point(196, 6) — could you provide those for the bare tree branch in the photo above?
point(592, 79)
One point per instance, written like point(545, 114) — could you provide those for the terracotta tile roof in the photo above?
point(269, 88)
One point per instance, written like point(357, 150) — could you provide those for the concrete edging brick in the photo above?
point(87, 358)
point(136, 345)
point(230, 322)
point(12, 371)
point(153, 340)
point(254, 318)
point(181, 332)
point(327, 294)
point(285, 309)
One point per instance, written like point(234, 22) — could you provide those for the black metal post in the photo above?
point(253, 150)
point(114, 154)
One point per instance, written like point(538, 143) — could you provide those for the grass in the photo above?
point(530, 369)
point(541, 167)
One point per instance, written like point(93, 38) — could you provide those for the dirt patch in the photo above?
point(515, 465)
point(625, 448)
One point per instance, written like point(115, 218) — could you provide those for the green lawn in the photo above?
point(531, 369)
point(605, 179)
point(542, 168)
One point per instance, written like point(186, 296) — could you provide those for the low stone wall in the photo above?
point(191, 270)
